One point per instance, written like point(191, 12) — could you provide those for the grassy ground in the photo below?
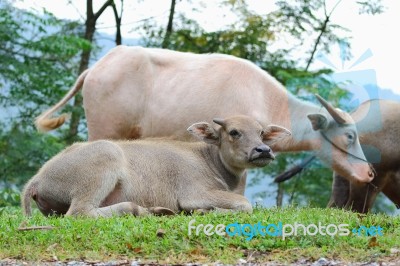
point(166, 239)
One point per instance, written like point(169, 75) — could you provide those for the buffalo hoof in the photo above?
point(160, 211)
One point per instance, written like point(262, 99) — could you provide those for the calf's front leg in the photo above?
point(103, 197)
point(127, 208)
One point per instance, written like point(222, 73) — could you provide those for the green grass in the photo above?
point(132, 238)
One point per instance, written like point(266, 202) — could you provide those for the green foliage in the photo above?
point(135, 238)
point(23, 152)
point(38, 63)
point(371, 7)
point(9, 197)
point(37, 60)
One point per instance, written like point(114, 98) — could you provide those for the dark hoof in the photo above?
point(160, 211)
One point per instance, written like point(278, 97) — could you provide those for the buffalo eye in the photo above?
point(350, 137)
point(234, 133)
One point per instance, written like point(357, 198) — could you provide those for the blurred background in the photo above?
point(347, 51)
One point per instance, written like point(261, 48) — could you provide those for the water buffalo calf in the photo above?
point(105, 178)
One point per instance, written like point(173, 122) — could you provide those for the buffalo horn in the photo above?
point(219, 121)
point(331, 110)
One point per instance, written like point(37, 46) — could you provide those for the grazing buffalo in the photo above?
point(132, 91)
point(103, 178)
point(378, 123)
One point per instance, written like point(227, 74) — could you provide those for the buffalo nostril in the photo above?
point(370, 174)
point(262, 149)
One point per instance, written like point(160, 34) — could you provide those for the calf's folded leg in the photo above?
point(118, 209)
point(89, 199)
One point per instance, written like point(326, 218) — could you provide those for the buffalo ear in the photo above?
point(318, 121)
point(273, 133)
point(205, 132)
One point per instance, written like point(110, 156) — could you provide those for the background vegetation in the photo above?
point(41, 56)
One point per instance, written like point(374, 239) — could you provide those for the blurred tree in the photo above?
point(38, 60)
point(38, 64)
point(168, 30)
point(118, 20)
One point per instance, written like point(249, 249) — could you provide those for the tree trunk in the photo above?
point(322, 31)
point(317, 41)
point(279, 196)
point(90, 28)
point(118, 19)
point(78, 100)
point(169, 26)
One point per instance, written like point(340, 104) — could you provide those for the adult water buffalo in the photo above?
point(104, 178)
point(135, 92)
point(378, 123)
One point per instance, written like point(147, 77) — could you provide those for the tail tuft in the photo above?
point(44, 124)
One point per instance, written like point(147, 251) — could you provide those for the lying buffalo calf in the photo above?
point(104, 178)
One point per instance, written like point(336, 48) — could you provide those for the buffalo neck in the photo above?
point(229, 178)
point(292, 114)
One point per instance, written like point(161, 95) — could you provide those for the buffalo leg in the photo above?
point(362, 197)
point(392, 188)
point(340, 192)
